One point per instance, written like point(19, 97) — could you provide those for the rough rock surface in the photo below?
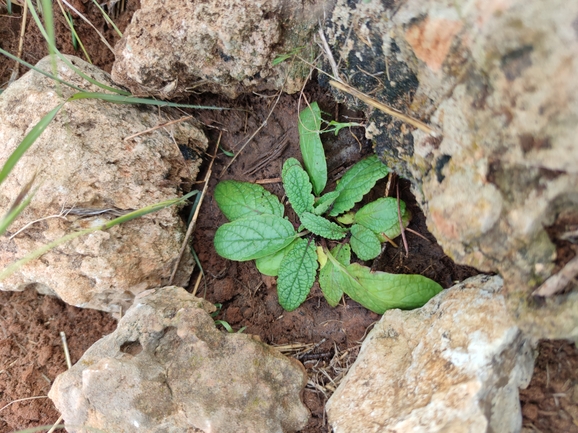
point(82, 161)
point(455, 365)
point(172, 49)
point(497, 80)
point(168, 369)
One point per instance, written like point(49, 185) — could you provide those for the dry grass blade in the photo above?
point(75, 38)
point(86, 20)
point(557, 283)
point(196, 214)
point(22, 399)
point(275, 152)
point(154, 128)
point(385, 108)
point(253, 134)
point(16, 70)
point(293, 347)
point(329, 55)
point(401, 227)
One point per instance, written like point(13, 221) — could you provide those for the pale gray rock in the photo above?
point(497, 82)
point(168, 369)
point(454, 365)
point(175, 48)
point(82, 161)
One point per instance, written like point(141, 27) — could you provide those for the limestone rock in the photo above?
point(455, 365)
point(175, 48)
point(498, 83)
point(82, 160)
point(168, 369)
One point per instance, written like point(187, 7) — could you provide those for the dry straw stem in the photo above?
point(154, 128)
point(86, 20)
point(385, 108)
point(196, 214)
point(16, 70)
point(557, 283)
point(69, 366)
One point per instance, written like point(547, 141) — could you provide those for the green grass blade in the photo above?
point(65, 60)
point(118, 99)
point(9, 7)
point(124, 218)
point(40, 71)
point(76, 41)
point(107, 18)
point(146, 210)
point(13, 214)
point(27, 142)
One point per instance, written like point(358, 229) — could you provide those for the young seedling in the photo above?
point(258, 230)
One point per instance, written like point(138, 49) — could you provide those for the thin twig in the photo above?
point(16, 70)
point(385, 108)
point(62, 214)
point(401, 223)
point(558, 282)
point(182, 119)
point(259, 128)
point(388, 185)
point(282, 144)
point(268, 181)
point(417, 234)
point(253, 134)
point(69, 365)
point(66, 352)
point(196, 214)
point(197, 284)
point(22, 399)
point(329, 55)
point(102, 38)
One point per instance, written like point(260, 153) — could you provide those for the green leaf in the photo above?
point(280, 59)
point(347, 218)
point(253, 237)
point(382, 291)
point(364, 242)
point(357, 182)
point(291, 162)
point(269, 265)
point(338, 126)
point(28, 141)
point(325, 202)
point(380, 216)
point(297, 186)
point(242, 199)
point(226, 152)
point(297, 274)
point(322, 227)
point(329, 275)
point(311, 147)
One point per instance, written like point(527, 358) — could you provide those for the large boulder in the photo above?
point(454, 365)
point(497, 82)
point(82, 161)
point(168, 369)
point(176, 48)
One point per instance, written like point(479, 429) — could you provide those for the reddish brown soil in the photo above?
point(249, 299)
point(30, 347)
point(550, 403)
point(31, 353)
